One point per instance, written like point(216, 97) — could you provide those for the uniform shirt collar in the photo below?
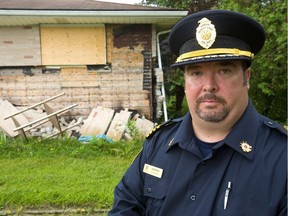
point(244, 131)
point(184, 136)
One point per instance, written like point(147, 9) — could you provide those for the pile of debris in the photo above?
point(40, 120)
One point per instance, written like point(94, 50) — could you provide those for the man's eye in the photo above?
point(225, 71)
point(194, 73)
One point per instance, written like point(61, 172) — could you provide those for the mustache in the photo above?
point(211, 97)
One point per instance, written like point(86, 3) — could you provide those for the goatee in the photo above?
point(212, 115)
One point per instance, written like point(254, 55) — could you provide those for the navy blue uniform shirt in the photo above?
point(249, 166)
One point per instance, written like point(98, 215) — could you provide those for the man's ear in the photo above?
point(247, 74)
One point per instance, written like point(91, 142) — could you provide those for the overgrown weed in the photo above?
point(55, 147)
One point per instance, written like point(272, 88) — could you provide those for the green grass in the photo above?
point(61, 173)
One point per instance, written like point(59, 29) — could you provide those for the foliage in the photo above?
point(176, 105)
point(34, 147)
point(132, 129)
point(3, 137)
point(190, 5)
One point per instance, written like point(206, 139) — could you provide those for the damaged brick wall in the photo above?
point(132, 53)
point(124, 82)
point(136, 39)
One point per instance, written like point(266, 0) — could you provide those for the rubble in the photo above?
point(6, 108)
point(112, 124)
point(101, 122)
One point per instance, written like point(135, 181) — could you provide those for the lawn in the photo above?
point(61, 173)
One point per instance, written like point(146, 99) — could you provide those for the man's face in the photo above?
point(216, 90)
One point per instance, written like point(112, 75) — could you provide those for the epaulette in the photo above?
point(272, 124)
point(160, 126)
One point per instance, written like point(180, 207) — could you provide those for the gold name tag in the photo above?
point(152, 170)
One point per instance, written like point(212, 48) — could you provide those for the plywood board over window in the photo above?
point(73, 45)
point(19, 46)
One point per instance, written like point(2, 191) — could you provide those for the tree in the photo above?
point(190, 5)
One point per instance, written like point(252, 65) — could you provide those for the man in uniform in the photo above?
point(221, 158)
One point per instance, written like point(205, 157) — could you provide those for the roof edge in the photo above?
point(124, 13)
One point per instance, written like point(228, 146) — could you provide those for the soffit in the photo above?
point(33, 12)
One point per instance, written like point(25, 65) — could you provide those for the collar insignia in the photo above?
point(205, 33)
point(245, 147)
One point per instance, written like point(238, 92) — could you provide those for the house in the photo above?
point(97, 53)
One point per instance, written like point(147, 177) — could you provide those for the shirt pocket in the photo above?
point(155, 191)
point(240, 205)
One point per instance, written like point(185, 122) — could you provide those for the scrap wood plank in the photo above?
point(144, 126)
point(6, 108)
point(118, 125)
point(97, 122)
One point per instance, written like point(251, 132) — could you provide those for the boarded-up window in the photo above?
point(73, 45)
point(19, 46)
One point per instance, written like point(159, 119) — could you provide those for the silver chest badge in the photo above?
point(205, 33)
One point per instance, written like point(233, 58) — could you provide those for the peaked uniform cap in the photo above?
point(215, 35)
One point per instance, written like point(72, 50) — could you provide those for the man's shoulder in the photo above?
point(164, 126)
point(273, 125)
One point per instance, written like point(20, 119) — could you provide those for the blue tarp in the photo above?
point(89, 138)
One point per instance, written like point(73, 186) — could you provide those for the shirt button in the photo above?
point(149, 190)
point(193, 197)
point(203, 162)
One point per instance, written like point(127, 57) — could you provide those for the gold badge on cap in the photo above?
point(245, 146)
point(205, 33)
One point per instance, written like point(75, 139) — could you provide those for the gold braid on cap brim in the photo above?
point(223, 52)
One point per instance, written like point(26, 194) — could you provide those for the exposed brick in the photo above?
point(27, 27)
point(7, 42)
point(28, 57)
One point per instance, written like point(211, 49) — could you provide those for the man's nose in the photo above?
point(210, 83)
